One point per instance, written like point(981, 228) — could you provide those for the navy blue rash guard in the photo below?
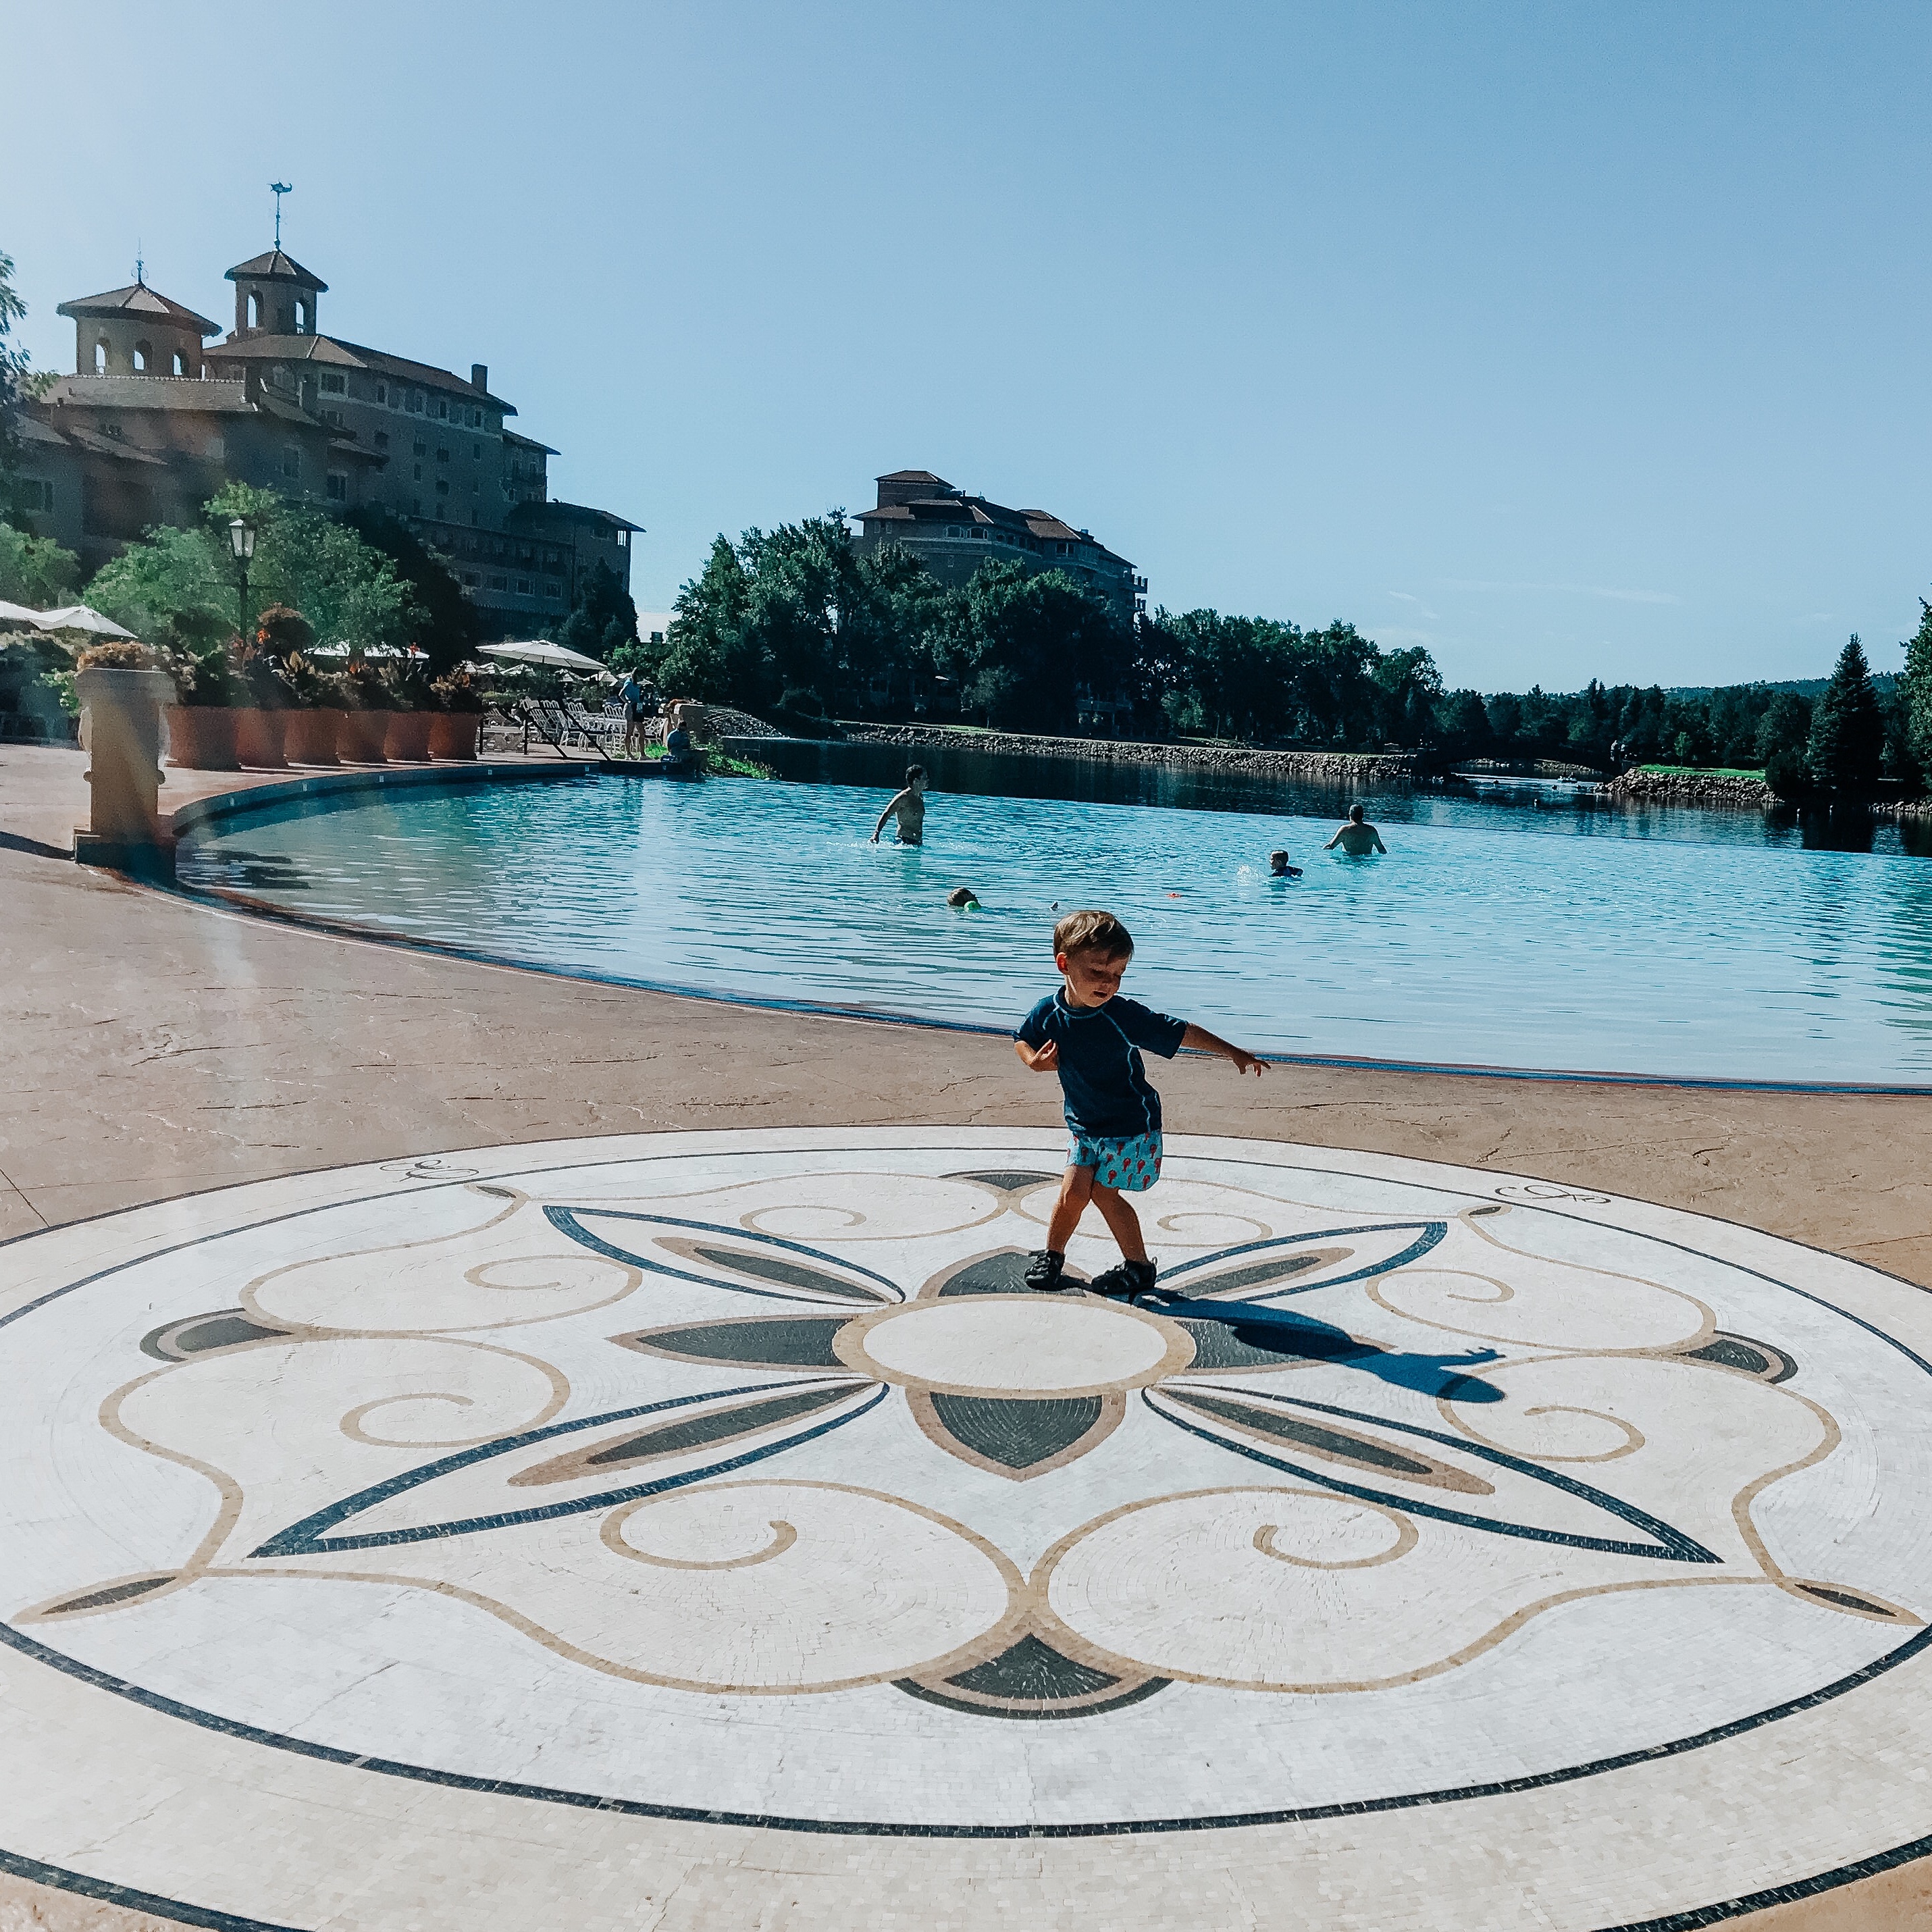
point(1107, 1093)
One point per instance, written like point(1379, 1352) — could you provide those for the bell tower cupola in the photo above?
point(275, 295)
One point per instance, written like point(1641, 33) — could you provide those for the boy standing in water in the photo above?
point(1093, 1039)
point(910, 805)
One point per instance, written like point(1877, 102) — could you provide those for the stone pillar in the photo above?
point(121, 733)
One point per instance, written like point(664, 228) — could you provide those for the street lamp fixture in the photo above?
point(242, 541)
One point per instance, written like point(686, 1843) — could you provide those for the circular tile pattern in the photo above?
point(710, 1484)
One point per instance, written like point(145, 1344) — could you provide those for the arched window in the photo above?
point(181, 366)
point(254, 308)
point(301, 318)
point(144, 354)
point(100, 358)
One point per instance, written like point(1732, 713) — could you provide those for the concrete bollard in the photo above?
point(121, 733)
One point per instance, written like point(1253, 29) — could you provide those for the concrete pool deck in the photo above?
point(159, 1047)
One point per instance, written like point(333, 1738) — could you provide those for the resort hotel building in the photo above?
point(155, 418)
point(953, 533)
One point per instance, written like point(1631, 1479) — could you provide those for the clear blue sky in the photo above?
point(1566, 339)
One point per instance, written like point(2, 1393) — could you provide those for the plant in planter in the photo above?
point(458, 717)
point(365, 723)
point(263, 697)
point(201, 722)
point(310, 729)
point(406, 681)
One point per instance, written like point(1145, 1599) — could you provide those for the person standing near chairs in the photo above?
point(634, 700)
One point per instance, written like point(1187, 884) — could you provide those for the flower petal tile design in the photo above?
point(736, 1483)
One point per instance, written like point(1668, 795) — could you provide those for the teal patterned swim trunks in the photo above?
point(1129, 1165)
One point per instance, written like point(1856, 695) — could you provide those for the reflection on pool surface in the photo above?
point(1483, 938)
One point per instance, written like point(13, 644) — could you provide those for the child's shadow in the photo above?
point(1236, 1336)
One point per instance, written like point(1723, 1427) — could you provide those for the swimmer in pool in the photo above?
point(963, 899)
point(1356, 836)
point(1279, 868)
point(909, 807)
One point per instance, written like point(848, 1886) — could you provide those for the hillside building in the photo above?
point(156, 417)
point(952, 534)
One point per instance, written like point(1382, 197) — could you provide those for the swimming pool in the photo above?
point(1525, 940)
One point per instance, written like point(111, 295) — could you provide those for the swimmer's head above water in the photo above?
point(962, 897)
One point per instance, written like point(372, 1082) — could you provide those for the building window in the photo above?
point(254, 309)
point(523, 587)
point(418, 473)
point(476, 451)
point(381, 439)
point(338, 487)
point(100, 358)
point(443, 456)
point(143, 352)
point(381, 392)
point(332, 382)
point(496, 583)
point(301, 318)
point(470, 578)
point(292, 461)
point(416, 403)
point(40, 496)
point(553, 591)
point(416, 509)
point(623, 539)
point(443, 486)
point(442, 409)
point(181, 368)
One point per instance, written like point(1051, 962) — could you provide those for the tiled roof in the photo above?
point(189, 393)
point(275, 266)
point(568, 513)
point(333, 350)
point(928, 510)
point(511, 437)
point(136, 300)
point(915, 476)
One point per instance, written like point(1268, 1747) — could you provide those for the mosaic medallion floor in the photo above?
point(708, 1530)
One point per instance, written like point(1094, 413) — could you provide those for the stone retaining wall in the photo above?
point(1329, 768)
point(1705, 790)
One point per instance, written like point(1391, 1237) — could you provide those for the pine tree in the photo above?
point(1915, 688)
point(1847, 728)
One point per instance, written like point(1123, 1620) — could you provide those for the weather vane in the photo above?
point(278, 189)
point(140, 266)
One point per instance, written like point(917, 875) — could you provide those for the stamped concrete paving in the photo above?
point(155, 1046)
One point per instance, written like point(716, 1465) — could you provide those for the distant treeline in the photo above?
point(794, 622)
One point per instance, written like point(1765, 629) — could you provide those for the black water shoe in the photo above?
point(1125, 1281)
point(1042, 1269)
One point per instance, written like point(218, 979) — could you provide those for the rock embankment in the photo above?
point(1704, 789)
point(1328, 768)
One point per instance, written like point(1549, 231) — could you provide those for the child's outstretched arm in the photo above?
point(1200, 1040)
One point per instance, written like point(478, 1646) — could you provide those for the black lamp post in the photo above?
point(241, 538)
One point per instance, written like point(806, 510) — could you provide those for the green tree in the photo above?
point(1465, 724)
point(708, 652)
point(447, 624)
point(1915, 691)
point(1027, 642)
point(1847, 730)
point(35, 570)
point(17, 380)
point(602, 616)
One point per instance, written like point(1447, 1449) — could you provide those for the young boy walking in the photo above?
point(1093, 1039)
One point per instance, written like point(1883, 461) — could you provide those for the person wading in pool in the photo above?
point(909, 806)
point(633, 698)
point(1093, 1039)
point(1356, 836)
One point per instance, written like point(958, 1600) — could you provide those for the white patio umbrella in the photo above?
point(367, 651)
point(542, 651)
point(80, 617)
point(18, 613)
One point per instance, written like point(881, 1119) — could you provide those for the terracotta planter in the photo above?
point(452, 734)
point(408, 741)
point(308, 737)
point(258, 738)
point(359, 735)
point(201, 738)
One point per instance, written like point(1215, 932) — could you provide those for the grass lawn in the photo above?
point(1705, 771)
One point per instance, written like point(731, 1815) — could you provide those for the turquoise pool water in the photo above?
point(1564, 940)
